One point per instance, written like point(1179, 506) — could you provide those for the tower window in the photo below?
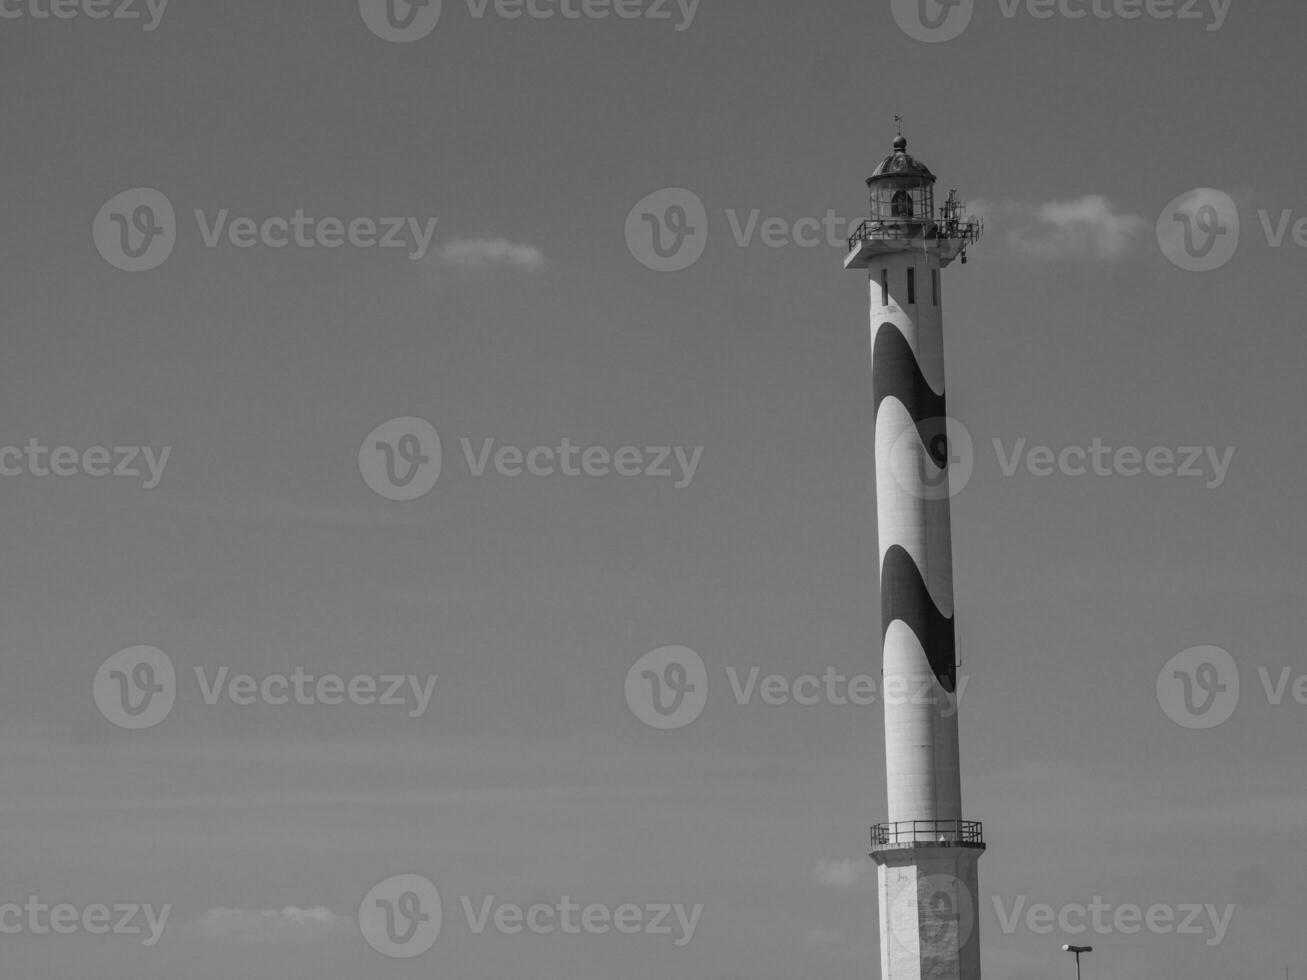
point(884, 287)
point(934, 285)
point(912, 287)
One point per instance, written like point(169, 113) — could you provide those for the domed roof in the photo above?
point(901, 164)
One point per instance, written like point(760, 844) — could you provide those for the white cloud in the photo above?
point(844, 874)
point(266, 925)
point(472, 253)
point(1087, 227)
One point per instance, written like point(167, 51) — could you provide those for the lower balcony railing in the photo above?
point(907, 833)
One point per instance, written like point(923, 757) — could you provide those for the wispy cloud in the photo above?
point(475, 253)
point(1086, 227)
point(270, 925)
point(844, 874)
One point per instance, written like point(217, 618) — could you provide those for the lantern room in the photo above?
point(902, 188)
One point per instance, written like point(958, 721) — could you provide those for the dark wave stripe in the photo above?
point(895, 373)
point(903, 595)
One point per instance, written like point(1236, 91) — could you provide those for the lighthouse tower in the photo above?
point(926, 853)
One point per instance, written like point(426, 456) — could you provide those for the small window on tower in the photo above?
point(912, 287)
point(884, 287)
point(934, 285)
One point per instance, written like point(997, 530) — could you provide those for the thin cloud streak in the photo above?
point(477, 253)
point(1085, 227)
point(272, 925)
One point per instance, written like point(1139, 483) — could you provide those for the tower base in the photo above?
point(928, 911)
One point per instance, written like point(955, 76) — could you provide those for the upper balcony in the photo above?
point(927, 833)
point(947, 234)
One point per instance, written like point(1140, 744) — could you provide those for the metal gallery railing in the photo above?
point(907, 833)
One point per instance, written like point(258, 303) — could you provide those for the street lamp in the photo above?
point(1078, 950)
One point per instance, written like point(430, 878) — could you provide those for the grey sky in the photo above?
point(528, 321)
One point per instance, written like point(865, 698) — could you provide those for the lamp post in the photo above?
point(1078, 950)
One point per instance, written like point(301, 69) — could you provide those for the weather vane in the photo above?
point(898, 121)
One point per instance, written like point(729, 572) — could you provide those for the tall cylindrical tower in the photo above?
point(925, 852)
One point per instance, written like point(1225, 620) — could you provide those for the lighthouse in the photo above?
point(926, 853)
